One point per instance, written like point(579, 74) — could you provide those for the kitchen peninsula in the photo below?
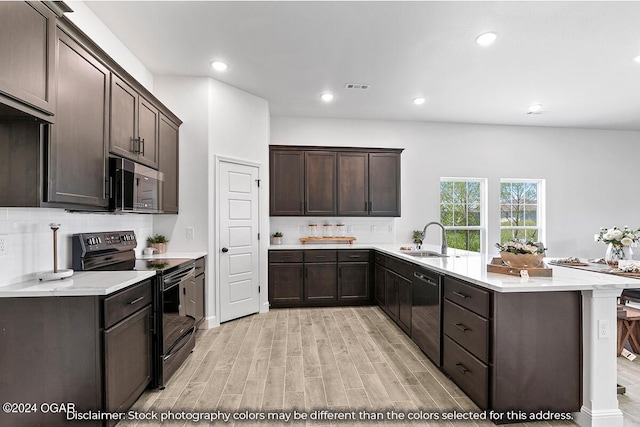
point(521, 335)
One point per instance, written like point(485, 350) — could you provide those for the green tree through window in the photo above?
point(461, 206)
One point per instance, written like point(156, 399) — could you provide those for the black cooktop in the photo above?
point(163, 265)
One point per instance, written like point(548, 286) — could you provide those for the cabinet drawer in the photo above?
point(199, 266)
point(400, 267)
point(320, 255)
point(124, 303)
point(468, 296)
point(470, 374)
point(467, 329)
point(355, 256)
point(285, 256)
point(379, 258)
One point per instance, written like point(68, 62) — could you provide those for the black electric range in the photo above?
point(173, 327)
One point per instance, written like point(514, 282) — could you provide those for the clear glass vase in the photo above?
point(617, 253)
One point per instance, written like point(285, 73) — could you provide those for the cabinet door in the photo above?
point(353, 281)
point(27, 31)
point(286, 183)
point(285, 283)
point(384, 184)
point(379, 275)
point(320, 282)
point(320, 183)
point(148, 119)
point(77, 148)
point(404, 303)
point(124, 119)
point(127, 361)
point(391, 294)
point(168, 147)
point(353, 184)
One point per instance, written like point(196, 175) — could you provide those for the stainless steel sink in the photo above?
point(420, 253)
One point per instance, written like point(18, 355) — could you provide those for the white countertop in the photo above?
point(89, 283)
point(472, 267)
point(82, 283)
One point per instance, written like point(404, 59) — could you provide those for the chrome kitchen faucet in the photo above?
point(443, 249)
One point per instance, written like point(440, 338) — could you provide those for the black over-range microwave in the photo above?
point(134, 187)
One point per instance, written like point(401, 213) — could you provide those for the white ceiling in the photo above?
point(575, 58)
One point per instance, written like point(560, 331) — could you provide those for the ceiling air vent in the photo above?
point(359, 86)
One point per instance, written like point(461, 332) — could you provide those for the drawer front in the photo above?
point(127, 302)
point(199, 266)
point(470, 374)
point(379, 258)
point(353, 256)
point(320, 255)
point(467, 329)
point(285, 256)
point(468, 296)
point(400, 267)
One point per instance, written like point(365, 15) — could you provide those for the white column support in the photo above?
point(599, 370)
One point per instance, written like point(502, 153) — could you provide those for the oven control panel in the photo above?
point(118, 240)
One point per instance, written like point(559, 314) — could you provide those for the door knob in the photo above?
point(225, 250)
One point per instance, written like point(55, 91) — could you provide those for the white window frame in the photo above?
point(483, 209)
point(541, 208)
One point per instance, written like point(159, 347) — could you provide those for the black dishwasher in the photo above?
point(426, 313)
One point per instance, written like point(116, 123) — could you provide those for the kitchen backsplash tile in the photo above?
point(365, 230)
point(30, 239)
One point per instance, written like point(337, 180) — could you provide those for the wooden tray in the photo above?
point(327, 239)
point(497, 266)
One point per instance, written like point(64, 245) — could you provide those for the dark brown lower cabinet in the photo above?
point(513, 351)
point(127, 361)
point(320, 282)
point(92, 351)
point(319, 277)
point(379, 284)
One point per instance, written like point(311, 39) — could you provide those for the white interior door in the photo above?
point(238, 240)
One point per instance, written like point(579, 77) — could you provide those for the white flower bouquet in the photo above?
point(617, 236)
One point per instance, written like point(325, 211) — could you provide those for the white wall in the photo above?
point(219, 120)
point(590, 174)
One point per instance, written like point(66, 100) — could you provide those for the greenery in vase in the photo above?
point(522, 247)
point(418, 236)
point(617, 236)
point(277, 234)
point(157, 238)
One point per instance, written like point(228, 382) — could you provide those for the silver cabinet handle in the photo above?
point(135, 301)
point(462, 327)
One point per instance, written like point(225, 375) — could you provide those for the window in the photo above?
point(521, 213)
point(462, 202)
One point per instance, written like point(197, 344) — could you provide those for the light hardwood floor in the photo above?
point(335, 359)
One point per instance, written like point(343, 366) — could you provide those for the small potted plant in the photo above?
point(276, 238)
point(418, 236)
point(521, 253)
point(158, 242)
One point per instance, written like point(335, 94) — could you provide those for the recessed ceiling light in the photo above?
point(327, 97)
point(219, 65)
point(534, 108)
point(637, 59)
point(419, 100)
point(485, 39)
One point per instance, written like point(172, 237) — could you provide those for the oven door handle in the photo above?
point(173, 280)
point(184, 339)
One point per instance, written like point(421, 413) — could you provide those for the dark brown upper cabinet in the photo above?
point(134, 124)
point(319, 183)
point(168, 161)
point(286, 182)
point(330, 181)
point(27, 32)
point(78, 141)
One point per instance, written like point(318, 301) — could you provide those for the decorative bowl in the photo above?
point(521, 260)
